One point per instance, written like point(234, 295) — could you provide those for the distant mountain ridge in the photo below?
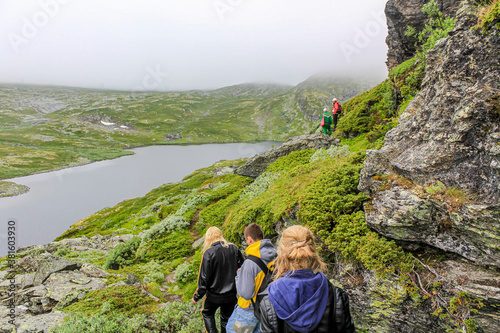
point(65, 126)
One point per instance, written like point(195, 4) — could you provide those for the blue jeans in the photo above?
point(243, 321)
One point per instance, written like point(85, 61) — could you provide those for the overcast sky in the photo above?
point(188, 44)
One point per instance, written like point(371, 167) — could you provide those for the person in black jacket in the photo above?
point(216, 279)
point(301, 299)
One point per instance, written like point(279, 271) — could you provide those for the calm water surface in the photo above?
point(58, 199)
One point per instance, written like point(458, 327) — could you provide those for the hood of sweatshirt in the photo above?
point(300, 299)
point(263, 249)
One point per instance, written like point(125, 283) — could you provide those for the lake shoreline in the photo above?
point(77, 164)
point(60, 198)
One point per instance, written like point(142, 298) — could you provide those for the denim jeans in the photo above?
point(243, 321)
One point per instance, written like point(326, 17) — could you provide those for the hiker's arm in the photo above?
point(245, 279)
point(240, 259)
point(268, 318)
point(203, 278)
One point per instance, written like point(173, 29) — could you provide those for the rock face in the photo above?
point(403, 13)
point(436, 181)
point(258, 164)
point(46, 283)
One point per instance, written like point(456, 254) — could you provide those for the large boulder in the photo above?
point(437, 179)
point(52, 265)
point(258, 164)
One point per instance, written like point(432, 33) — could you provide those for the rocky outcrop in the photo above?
point(436, 182)
point(372, 299)
point(258, 164)
point(450, 133)
point(45, 283)
point(403, 13)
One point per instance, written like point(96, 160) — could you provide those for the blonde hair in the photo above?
point(297, 250)
point(213, 235)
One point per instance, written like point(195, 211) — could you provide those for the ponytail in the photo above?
point(297, 250)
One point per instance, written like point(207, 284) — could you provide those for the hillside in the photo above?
point(46, 128)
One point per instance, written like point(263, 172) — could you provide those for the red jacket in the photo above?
point(336, 108)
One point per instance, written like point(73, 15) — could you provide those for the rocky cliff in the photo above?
point(436, 182)
point(403, 13)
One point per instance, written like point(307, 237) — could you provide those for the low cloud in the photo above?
point(193, 44)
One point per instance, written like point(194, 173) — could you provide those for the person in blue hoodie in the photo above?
point(301, 299)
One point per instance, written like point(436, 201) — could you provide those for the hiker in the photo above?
point(249, 280)
point(336, 109)
point(216, 279)
point(326, 122)
point(301, 299)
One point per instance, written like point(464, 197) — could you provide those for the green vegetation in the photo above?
point(9, 189)
point(436, 28)
point(489, 16)
point(122, 299)
point(174, 317)
point(122, 254)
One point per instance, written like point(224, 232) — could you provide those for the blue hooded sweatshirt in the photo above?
point(300, 299)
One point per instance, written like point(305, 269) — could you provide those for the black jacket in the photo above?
point(336, 319)
point(217, 272)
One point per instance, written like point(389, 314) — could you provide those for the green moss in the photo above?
point(372, 112)
point(167, 247)
point(215, 213)
point(291, 160)
point(489, 16)
point(122, 299)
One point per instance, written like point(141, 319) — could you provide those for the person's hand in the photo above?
point(194, 301)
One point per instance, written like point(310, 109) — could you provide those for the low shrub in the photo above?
point(167, 247)
point(120, 299)
point(259, 186)
point(174, 317)
point(123, 254)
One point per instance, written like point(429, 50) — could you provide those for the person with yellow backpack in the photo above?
point(252, 278)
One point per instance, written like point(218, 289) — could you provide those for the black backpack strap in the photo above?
point(259, 263)
point(263, 286)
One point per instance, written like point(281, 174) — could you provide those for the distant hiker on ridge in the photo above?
point(336, 109)
point(326, 122)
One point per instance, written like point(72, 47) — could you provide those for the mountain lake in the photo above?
point(58, 199)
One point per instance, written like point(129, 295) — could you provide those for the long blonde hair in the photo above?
point(297, 250)
point(213, 235)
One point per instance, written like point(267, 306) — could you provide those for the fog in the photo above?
point(191, 44)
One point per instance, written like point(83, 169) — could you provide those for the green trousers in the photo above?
point(327, 130)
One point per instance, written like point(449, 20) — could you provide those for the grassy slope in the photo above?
point(43, 129)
